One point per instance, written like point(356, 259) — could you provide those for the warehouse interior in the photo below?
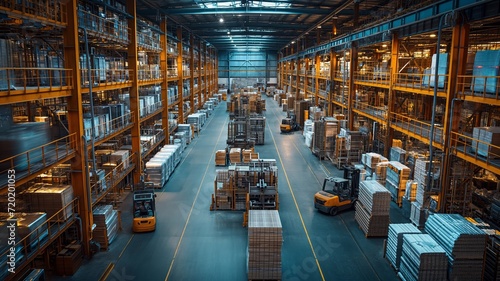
point(197, 139)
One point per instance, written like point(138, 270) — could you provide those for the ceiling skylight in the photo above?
point(231, 4)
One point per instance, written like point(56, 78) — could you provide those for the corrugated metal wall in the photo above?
point(258, 67)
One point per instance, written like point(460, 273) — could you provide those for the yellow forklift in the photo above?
point(144, 210)
point(342, 195)
point(289, 124)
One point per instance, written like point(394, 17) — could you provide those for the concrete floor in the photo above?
point(193, 243)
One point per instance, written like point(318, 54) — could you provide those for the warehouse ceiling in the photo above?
point(270, 25)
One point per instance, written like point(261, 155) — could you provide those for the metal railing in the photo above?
point(150, 143)
point(417, 127)
point(25, 79)
point(379, 112)
point(101, 187)
point(152, 109)
point(476, 148)
point(106, 77)
point(478, 86)
point(377, 77)
point(33, 243)
point(421, 81)
point(105, 129)
point(151, 43)
point(53, 11)
point(150, 74)
point(39, 158)
point(110, 29)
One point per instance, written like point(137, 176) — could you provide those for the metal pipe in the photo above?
point(434, 101)
point(91, 96)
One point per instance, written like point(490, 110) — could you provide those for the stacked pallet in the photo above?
point(223, 196)
point(257, 129)
point(235, 155)
point(220, 158)
point(325, 132)
point(492, 260)
point(396, 178)
point(106, 221)
point(50, 199)
point(397, 154)
point(372, 208)
point(264, 245)
point(247, 155)
point(371, 160)
point(394, 247)
point(463, 243)
point(422, 167)
point(422, 259)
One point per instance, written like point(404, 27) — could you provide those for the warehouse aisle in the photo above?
point(193, 243)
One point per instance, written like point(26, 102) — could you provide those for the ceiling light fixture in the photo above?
point(432, 35)
point(221, 20)
point(229, 32)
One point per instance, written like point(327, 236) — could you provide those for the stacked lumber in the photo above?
point(463, 242)
point(396, 178)
point(371, 160)
point(372, 208)
point(422, 259)
point(421, 175)
point(381, 172)
point(394, 247)
point(235, 155)
point(264, 245)
point(397, 154)
point(106, 221)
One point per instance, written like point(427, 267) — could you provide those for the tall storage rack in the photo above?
point(384, 77)
point(100, 83)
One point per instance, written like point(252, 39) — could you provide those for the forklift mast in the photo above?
point(352, 174)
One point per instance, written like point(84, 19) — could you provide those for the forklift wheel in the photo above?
point(333, 211)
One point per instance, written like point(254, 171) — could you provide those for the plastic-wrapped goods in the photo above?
point(485, 71)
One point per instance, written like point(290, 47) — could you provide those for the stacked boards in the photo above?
point(265, 237)
point(372, 209)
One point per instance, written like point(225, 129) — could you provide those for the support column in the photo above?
point(191, 73)
point(331, 91)
point(392, 94)
point(456, 67)
point(134, 90)
point(316, 78)
point(180, 82)
point(164, 82)
point(79, 177)
point(352, 87)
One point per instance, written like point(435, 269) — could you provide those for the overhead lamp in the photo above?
point(432, 35)
point(221, 19)
point(319, 26)
point(384, 46)
point(293, 42)
point(228, 32)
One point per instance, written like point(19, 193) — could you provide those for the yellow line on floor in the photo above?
point(192, 206)
point(297, 205)
point(119, 256)
point(108, 271)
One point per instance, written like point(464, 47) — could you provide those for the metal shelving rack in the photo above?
point(63, 86)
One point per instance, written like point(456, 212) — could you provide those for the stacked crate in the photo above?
point(223, 196)
point(394, 246)
point(463, 242)
point(348, 148)
point(325, 131)
point(235, 155)
point(486, 141)
point(397, 176)
point(120, 158)
point(422, 259)
point(220, 157)
point(50, 199)
point(264, 245)
point(372, 208)
point(106, 221)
